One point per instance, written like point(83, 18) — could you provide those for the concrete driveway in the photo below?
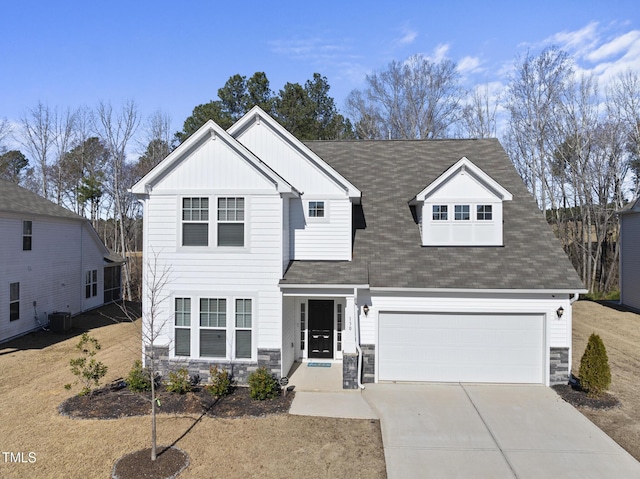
point(491, 431)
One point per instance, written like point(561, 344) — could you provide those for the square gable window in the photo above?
point(484, 213)
point(462, 213)
point(316, 209)
point(440, 213)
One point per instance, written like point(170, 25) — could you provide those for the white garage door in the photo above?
point(461, 347)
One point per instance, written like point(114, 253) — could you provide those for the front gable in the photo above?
point(462, 207)
point(211, 159)
point(285, 154)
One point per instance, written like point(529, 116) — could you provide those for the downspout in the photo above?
point(358, 348)
point(575, 298)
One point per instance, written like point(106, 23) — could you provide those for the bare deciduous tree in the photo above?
point(478, 116)
point(116, 131)
point(37, 135)
point(414, 99)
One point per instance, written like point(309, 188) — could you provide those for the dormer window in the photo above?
point(316, 209)
point(475, 201)
point(440, 212)
point(462, 213)
point(484, 213)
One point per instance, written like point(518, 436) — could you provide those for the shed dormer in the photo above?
point(462, 207)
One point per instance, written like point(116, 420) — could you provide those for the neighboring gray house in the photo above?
point(51, 260)
point(630, 255)
point(422, 260)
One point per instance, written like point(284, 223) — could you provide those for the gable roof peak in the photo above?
point(464, 166)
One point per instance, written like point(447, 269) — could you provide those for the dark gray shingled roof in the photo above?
point(389, 251)
point(16, 199)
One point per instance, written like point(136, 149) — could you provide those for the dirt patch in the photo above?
point(169, 462)
point(575, 396)
point(620, 332)
point(116, 401)
point(34, 369)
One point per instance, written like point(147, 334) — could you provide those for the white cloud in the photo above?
point(469, 65)
point(312, 48)
point(408, 36)
point(616, 46)
point(440, 52)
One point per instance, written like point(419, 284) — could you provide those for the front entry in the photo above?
point(321, 328)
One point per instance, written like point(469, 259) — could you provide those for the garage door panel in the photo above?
point(457, 347)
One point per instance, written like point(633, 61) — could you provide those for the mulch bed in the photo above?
point(169, 463)
point(577, 397)
point(115, 401)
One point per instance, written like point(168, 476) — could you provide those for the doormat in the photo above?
point(318, 365)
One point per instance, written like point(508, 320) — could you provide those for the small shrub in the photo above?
point(179, 381)
point(595, 374)
point(139, 378)
point(88, 371)
point(219, 382)
point(263, 385)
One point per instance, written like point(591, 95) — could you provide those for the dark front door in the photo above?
point(320, 328)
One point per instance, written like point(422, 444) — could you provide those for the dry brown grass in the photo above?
point(35, 368)
point(620, 332)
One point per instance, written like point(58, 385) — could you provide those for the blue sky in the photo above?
point(173, 56)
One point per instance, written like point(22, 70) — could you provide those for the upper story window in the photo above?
point(14, 301)
point(440, 212)
point(484, 213)
point(27, 234)
point(230, 221)
point(461, 213)
point(91, 283)
point(195, 221)
point(316, 209)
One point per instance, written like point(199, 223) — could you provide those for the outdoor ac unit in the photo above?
point(60, 322)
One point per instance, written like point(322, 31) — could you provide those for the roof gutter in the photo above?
point(474, 290)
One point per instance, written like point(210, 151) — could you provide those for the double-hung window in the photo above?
point(183, 327)
point(484, 213)
point(440, 212)
point(243, 328)
point(27, 235)
point(461, 213)
point(230, 221)
point(213, 328)
point(14, 301)
point(195, 221)
point(91, 283)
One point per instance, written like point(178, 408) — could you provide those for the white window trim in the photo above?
point(181, 222)
point(29, 235)
point(473, 212)
point(91, 280)
point(244, 222)
point(317, 219)
point(190, 328)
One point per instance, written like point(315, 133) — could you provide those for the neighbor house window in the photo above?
point(243, 328)
point(213, 328)
point(440, 212)
point(27, 234)
point(484, 213)
point(230, 221)
point(316, 209)
point(461, 213)
point(303, 324)
point(183, 327)
point(339, 322)
point(14, 301)
point(195, 221)
point(91, 283)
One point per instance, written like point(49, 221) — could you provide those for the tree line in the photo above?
point(576, 147)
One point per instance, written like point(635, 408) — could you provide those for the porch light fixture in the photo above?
point(365, 308)
point(560, 312)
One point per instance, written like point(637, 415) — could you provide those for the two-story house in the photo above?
point(51, 260)
point(394, 260)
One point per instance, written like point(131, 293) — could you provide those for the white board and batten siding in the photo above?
point(52, 274)
point(630, 260)
point(502, 324)
point(250, 272)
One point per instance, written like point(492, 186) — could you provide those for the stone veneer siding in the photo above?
point(269, 358)
point(350, 367)
point(558, 366)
